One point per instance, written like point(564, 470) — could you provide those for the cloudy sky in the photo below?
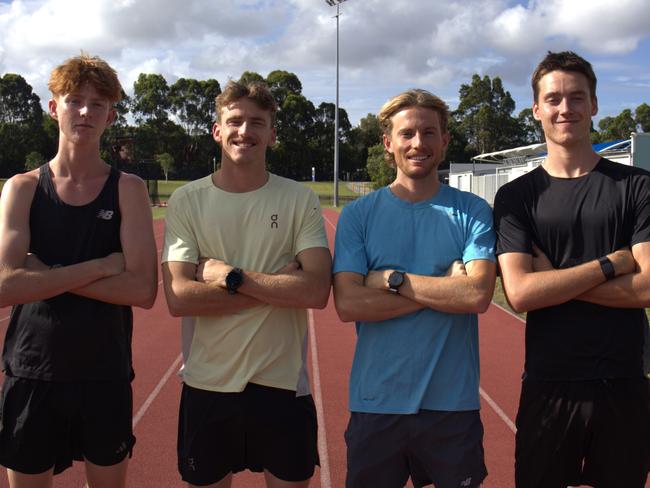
point(387, 46)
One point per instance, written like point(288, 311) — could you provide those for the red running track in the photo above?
point(156, 346)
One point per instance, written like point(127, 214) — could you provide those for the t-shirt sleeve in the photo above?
point(481, 237)
point(312, 230)
point(513, 234)
point(642, 211)
point(349, 247)
point(180, 240)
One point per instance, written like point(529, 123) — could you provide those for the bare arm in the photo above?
point(187, 296)
point(356, 302)
point(18, 284)
point(367, 298)
point(469, 292)
point(137, 284)
point(201, 290)
point(531, 283)
point(304, 286)
point(631, 290)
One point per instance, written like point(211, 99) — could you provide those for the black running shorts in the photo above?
point(261, 428)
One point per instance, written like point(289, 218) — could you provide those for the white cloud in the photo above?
point(386, 46)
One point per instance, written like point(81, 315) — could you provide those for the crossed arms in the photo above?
point(464, 289)
point(193, 289)
point(126, 278)
point(530, 282)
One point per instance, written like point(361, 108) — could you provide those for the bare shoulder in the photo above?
point(21, 186)
point(131, 183)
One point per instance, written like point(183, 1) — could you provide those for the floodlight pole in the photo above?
point(336, 109)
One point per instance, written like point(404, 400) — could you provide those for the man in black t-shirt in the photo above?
point(574, 251)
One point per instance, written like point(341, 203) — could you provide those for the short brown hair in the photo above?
point(256, 91)
point(563, 61)
point(415, 97)
point(77, 71)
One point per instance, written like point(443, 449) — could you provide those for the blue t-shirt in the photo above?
point(427, 359)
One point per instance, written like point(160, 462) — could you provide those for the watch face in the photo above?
point(234, 279)
point(395, 279)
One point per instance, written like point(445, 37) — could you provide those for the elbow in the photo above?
point(320, 299)
point(518, 304)
point(345, 310)
point(483, 304)
point(146, 296)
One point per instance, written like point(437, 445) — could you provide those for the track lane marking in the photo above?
point(500, 413)
point(325, 475)
point(154, 393)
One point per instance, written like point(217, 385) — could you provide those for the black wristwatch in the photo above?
point(234, 280)
point(607, 268)
point(395, 280)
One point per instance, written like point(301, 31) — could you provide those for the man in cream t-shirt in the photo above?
point(245, 256)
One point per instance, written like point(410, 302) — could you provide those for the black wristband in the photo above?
point(607, 268)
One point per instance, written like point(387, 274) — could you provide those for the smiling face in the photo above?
point(244, 131)
point(565, 107)
point(82, 114)
point(417, 142)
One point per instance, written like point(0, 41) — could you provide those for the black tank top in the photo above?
point(69, 337)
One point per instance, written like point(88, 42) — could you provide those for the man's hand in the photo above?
point(212, 270)
point(457, 268)
point(541, 262)
point(113, 264)
point(290, 267)
point(34, 263)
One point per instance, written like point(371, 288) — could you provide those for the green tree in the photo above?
point(250, 77)
point(192, 102)
point(458, 150)
point(150, 98)
point(294, 154)
point(380, 173)
point(484, 115)
point(34, 160)
point(619, 127)
point(642, 117)
point(18, 103)
point(282, 84)
point(531, 128)
point(166, 162)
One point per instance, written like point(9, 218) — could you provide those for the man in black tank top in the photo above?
point(76, 252)
point(574, 249)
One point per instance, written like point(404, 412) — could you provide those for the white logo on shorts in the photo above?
point(467, 482)
point(105, 214)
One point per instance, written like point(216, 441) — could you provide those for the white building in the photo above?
point(488, 172)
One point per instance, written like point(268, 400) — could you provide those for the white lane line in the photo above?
point(502, 415)
point(509, 312)
point(329, 222)
point(6, 318)
point(325, 476)
point(152, 396)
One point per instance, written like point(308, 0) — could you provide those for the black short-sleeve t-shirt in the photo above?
point(573, 221)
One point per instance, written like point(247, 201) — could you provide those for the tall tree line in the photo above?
point(165, 129)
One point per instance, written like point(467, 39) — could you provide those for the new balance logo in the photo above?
point(105, 214)
point(467, 482)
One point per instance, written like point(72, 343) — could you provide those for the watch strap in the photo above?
point(607, 268)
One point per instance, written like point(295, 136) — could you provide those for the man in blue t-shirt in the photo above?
point(414, 263)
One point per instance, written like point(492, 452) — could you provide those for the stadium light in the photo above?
point(337, 4)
